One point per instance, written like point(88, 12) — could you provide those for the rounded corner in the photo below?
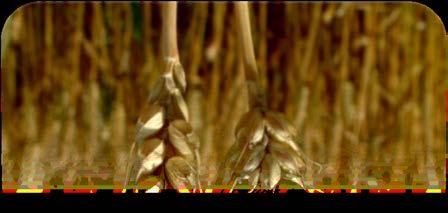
point(429, 10)
point(14, 12)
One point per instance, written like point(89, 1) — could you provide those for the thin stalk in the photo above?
point(256, 96)
point(245, 35)
point(169, 26)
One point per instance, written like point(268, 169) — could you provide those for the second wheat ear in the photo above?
point(165, 144)
point(265, 150)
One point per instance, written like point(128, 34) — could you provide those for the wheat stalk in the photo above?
point(265, 150)
point(165, 144)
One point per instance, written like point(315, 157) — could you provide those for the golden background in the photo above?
point(363, 84)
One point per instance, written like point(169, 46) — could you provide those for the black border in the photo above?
point(170, 200)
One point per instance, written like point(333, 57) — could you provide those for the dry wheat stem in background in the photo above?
point(165, 144)
point(265, 150)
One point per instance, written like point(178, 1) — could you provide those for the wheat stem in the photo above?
point(256, 95)
point(169, 35)
point(245, 35)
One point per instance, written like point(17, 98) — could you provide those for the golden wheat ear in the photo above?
point(164, 137)
point(265, 150)
point(165, 144)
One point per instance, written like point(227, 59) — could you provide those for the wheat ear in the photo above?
point(165, 144)
point(265, 150)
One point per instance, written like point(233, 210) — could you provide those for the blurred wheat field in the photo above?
point(363, 83)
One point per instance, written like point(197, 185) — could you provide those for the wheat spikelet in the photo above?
point(165, 144)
